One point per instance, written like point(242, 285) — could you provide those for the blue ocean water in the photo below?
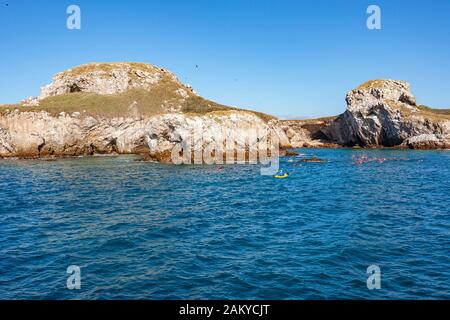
point(150, 231)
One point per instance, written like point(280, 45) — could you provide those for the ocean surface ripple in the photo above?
point(150, 231)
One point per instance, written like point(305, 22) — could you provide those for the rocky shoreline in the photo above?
point(129, 108)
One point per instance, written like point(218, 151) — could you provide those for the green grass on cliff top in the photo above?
point(372, 84)
point(434, 114)
point(109, 66)
point(136, 102)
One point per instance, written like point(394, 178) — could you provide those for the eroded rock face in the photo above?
point(36, 134)
point(306, 133)
point(384, 113)
point(5, 142)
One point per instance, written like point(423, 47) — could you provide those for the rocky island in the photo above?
point(121, 108)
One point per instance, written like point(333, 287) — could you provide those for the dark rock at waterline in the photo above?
point(291, 153)
point(313, 159)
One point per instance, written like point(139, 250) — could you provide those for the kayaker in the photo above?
point(282, 174)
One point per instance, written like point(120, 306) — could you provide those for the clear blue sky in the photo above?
point(288, 58)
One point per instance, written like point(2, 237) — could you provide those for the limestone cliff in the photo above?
point(307, 133)
point(34, 134)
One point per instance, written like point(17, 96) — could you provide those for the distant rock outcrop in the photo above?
point(385, 113)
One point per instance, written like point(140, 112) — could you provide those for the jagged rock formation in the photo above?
point(5, 142)
point(385, 113)
point(109, 78)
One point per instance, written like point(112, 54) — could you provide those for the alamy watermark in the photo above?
point(230, 146)
point(74, 280)
point(374, 20)
point(73, 22)
point(374, 277)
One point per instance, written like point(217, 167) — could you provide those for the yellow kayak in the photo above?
point(282, 176)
